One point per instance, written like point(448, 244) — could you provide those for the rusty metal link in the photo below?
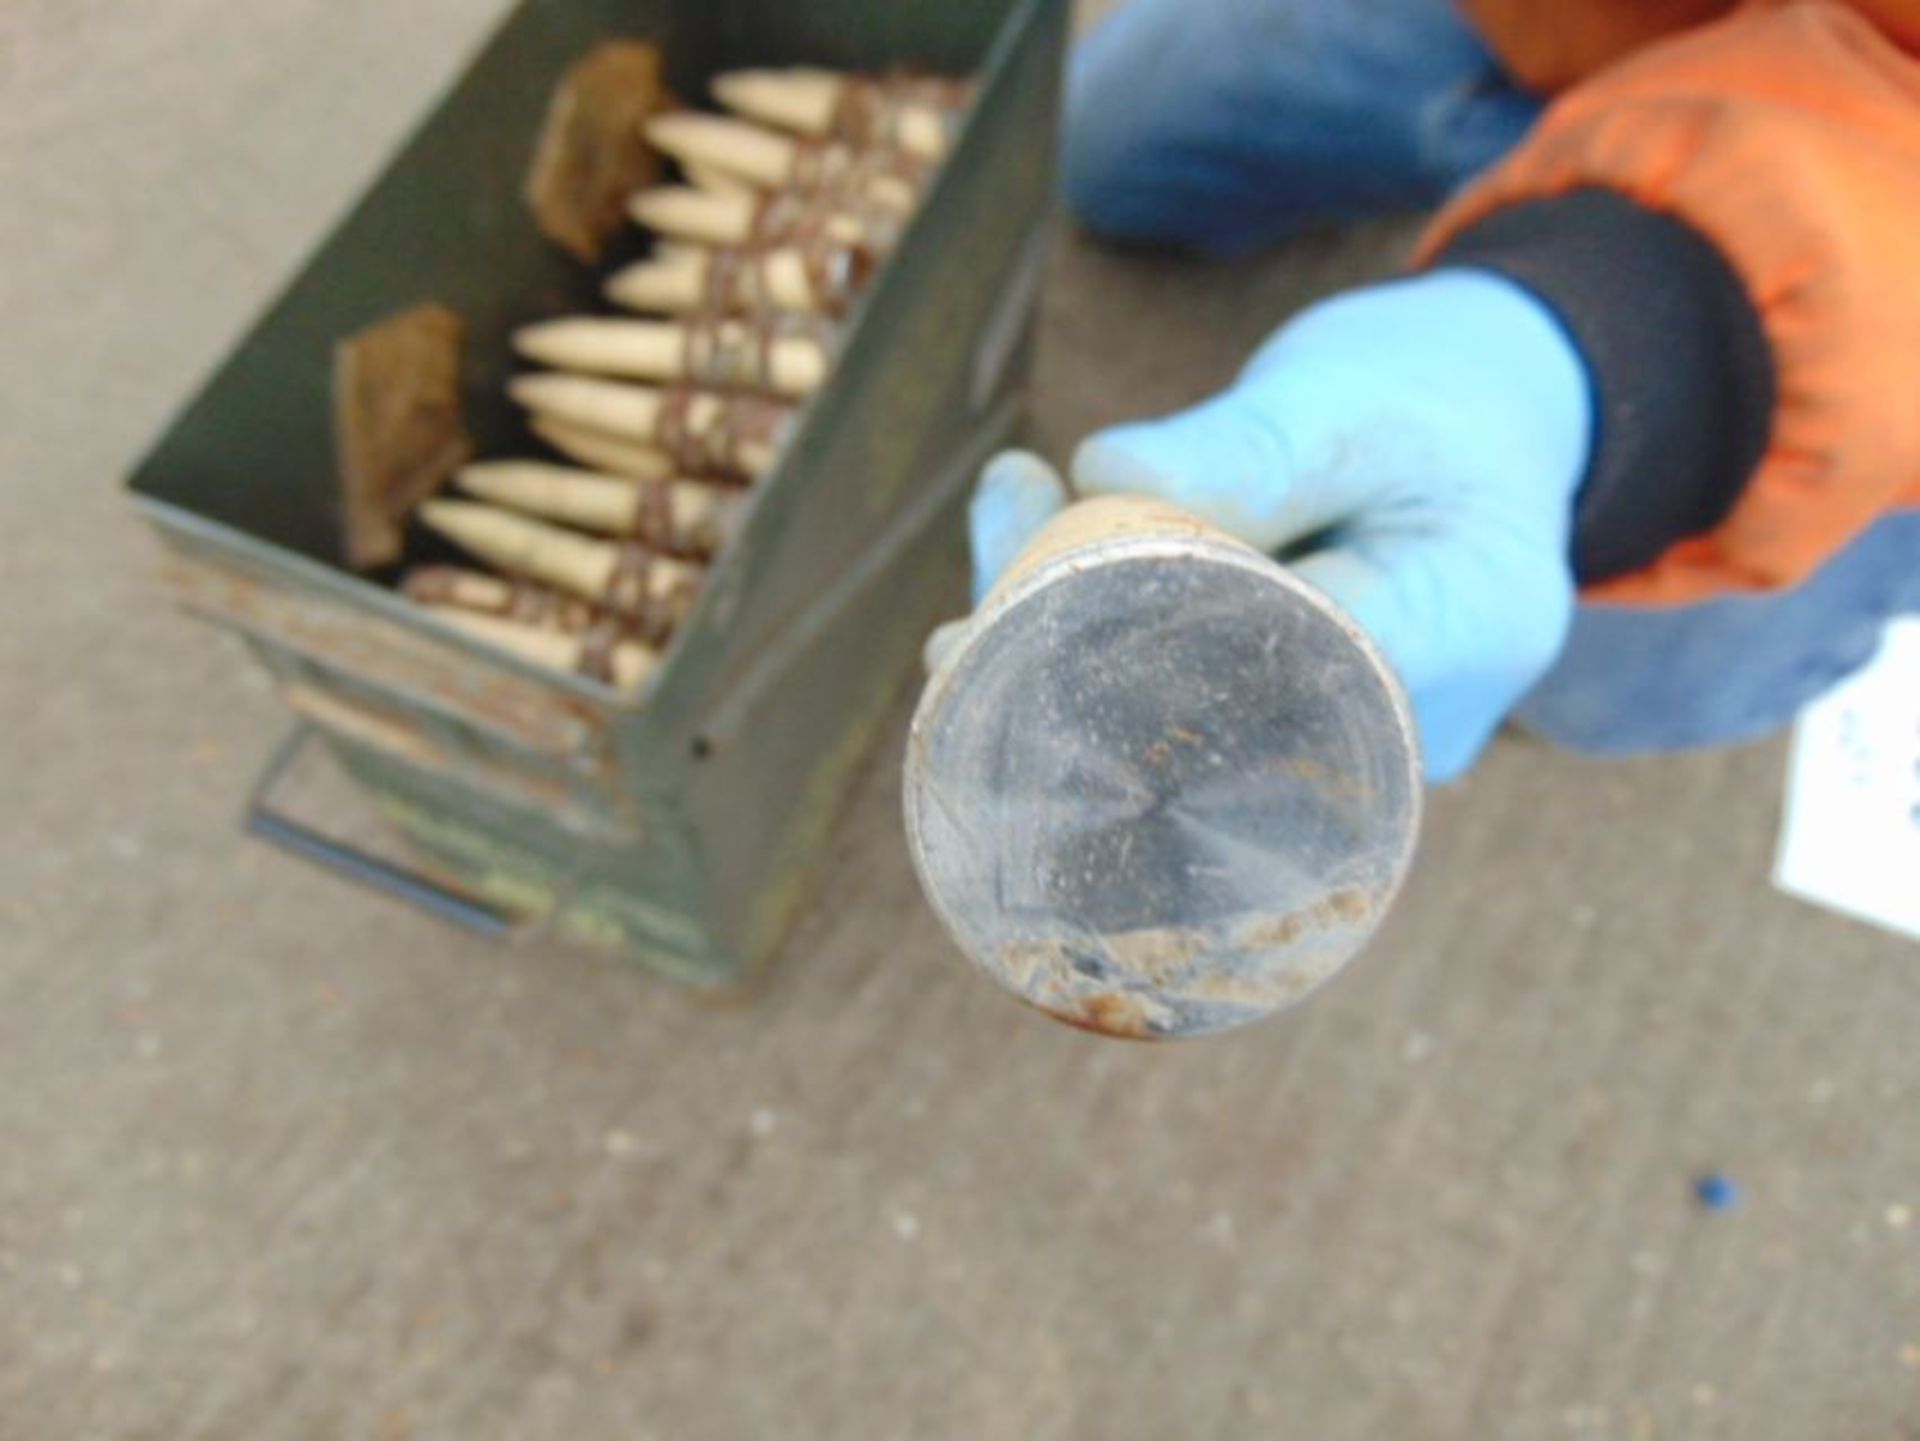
point(737, 352)
point(738, 282)
point(544, 606)
point(869, 111)
point(727, 353)
point(951, 93)
point(833, 168)
point(653, 516)
point(835, 273)
point(649, 593)
point(598, 644)
point(740, 423)
point(431, 584)
point(790, 217)
point(630, 587)
point(518, 599)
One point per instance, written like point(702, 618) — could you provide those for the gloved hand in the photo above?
point(1414, 447)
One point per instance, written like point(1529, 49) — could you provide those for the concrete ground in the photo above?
point(279, 1160)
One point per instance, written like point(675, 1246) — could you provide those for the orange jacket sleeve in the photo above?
point(1547, 47)
point(1788, 136)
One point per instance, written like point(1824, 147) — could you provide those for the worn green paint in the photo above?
point(479, 862)
point(714, 794)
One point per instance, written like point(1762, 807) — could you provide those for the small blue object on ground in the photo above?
point(1716, 1192)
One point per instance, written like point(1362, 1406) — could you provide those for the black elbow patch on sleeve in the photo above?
point(1682, 372)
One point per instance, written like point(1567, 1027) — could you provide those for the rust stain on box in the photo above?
point(399, 735)
point(386, 654)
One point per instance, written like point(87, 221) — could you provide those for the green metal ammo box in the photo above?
point(680, 827)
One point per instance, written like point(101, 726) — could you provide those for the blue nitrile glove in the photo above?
point(1017, 493)
point(1415, 447)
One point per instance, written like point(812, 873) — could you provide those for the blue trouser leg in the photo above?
point(1635, 679)
point(1223, 125)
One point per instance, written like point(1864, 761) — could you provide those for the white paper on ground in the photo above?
point(1850, 838)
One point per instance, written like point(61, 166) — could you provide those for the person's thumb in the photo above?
point(1250, 466)
point(1018, 494)
point(941, 644)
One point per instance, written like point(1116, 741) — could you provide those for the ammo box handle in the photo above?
point(350, 862)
